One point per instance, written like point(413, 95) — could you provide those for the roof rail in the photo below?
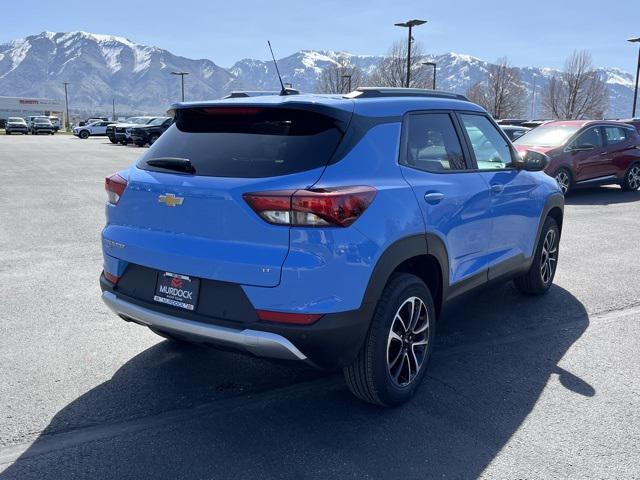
point(380, 92)
point(259, 93)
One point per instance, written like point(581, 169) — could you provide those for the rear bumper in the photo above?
point(259, 343)
point(333, 341)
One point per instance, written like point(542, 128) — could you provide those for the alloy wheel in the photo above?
point(563, 180)
point(408, 341)
point(634, 177)
point(549, 257)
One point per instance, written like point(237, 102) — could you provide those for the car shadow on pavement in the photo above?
point(237, 418)
point(601, 196)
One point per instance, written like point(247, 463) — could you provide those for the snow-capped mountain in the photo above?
point(103, 67)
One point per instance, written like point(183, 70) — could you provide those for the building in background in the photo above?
point(26, 107)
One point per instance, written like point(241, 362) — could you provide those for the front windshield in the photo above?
point(547, 136)
point(15, 120)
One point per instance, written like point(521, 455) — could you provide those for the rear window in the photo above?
point(247, 142)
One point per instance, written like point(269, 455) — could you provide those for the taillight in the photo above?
point(286, 317)
point(115, 186)
point(112, 278)
point(328, 207)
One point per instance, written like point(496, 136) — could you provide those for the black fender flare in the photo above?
point(556, 200)
point(397, 253)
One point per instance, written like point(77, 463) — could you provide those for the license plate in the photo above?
point(177, 290)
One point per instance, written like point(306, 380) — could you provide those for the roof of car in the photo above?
point(582, 123)
point(374, 106)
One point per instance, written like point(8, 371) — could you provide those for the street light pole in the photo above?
point(66, 103)
point(635, 91)
point(410, 24)
point(432, 64)
point(182, 74)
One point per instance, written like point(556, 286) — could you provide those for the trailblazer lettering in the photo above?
point(176, 292)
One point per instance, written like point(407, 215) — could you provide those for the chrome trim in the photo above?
point(264, 344)
point(599, 179)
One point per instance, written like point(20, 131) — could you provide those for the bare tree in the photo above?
point(502, 93)
point(340, 78)
point(576, 93)
point(392, 71)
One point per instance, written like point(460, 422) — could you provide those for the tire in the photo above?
point(631, 182)
point(7, 132)
point(153, 139)
point(543, 268)
point(83, 134)
point(565, 180)
point(113, 140)
point(381, 372)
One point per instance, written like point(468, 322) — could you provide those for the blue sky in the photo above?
point(538, 33)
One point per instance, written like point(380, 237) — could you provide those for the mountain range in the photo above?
point(102, 68)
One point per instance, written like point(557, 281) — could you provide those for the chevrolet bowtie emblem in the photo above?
point(170, 200)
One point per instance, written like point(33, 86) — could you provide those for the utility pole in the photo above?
point(66, 103)
point(113, 114)
point(533, 99)
point(434, 65)
point(410, 24)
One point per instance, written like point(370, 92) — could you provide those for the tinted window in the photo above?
point(590, 138)
point(247, 142)
point(432, 143)
point(615, 135)
point(489, 146)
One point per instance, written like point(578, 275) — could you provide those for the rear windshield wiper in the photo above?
point(177, 164)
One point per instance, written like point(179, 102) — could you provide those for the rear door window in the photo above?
point(248, 142)
point(433, 144)
point(615, 135)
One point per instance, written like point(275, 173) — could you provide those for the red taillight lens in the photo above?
point(115, 186)
point(290, 318)
point(312, 208)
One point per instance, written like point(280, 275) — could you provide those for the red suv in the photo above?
point(587, 152)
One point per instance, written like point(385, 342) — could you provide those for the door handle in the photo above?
point(497, 188)
point(433, 197)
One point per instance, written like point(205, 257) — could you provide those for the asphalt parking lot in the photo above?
point(518, 387)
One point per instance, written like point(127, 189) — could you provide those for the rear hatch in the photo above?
point(196, 222)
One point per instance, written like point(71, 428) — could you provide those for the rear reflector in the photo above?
point(312, 208)
point(115, 186)
point(290, 318)
point(112, 278)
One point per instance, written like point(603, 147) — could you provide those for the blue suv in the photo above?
point(326, 229)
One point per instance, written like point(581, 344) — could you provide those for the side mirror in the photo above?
point(533, 161)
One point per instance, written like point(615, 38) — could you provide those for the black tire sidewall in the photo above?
point(549, 223)
point(402, 287)
point(84, 134)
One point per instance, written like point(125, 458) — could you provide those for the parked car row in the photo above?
point(138, 130)
point(35, 125)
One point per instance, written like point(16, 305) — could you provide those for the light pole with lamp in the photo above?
point(182, 74)
point(410, 24)
point(432, 64)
